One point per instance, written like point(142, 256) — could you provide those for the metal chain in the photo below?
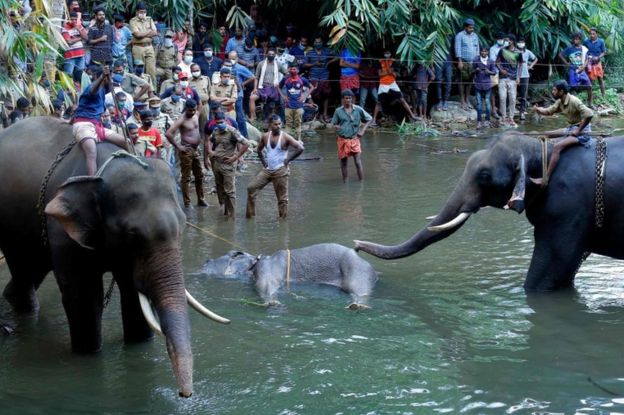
point(109, 293)
point(44, 187)
point(601, 160)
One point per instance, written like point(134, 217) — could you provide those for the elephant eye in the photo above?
point(485, 176)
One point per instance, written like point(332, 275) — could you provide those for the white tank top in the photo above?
point(275, 156)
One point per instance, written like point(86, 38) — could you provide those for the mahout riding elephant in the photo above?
point(325, 263)
point(125, 220)
point(563, 214)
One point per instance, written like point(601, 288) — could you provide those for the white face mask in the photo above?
point(188, 59)
point(168, 42)
point(184, 84)
point(500, 42)
point(521, 45)
point(142, 15)
point(506, 43)
point(387, 55)
point(233, 61)
point(195, 74)
point(208, 53)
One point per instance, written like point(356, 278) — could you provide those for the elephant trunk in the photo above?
point(451, 218)
point(163, 283)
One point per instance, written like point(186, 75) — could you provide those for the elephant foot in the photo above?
point(356, 307)
point(22, 301)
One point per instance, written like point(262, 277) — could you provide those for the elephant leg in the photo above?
point(135, 328)
point(28, 269)
point(557, 254)
point(83, 294)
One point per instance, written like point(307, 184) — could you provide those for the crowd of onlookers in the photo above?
point(252, 71)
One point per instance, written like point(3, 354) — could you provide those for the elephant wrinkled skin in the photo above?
point(562, 214)
point(127, 221)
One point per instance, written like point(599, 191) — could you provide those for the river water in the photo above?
point(450, 330)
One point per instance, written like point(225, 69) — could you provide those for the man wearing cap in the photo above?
point(187, 90)
point(174, 104)
point(131, 83)
point(162, 122)
point(188, 151)
point(225, 92)
point(135, 117)
point(139, 71)
point(121, 37)
point(466, 50)
point(143, 30)
point(174, 80)
point(221, 150)
point(166, 57)
point(351, 122)
point(209, 127)
point(294, 91)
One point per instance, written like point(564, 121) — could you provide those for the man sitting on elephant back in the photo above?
point(579, 117)
point(88, 129)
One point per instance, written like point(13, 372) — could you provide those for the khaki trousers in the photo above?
point(225, 183)
point(279, 178)
point(191, 162)
point(146, 54)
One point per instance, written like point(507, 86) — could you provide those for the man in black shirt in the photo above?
point(101, 39)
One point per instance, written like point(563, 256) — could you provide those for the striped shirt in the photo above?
point(70, 32)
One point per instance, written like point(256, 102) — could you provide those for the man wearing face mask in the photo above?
point(528, 62)
point(188, 92)
point(225, 92)
point(121, 37)
point(187, 60)
point(150, 140)
point(508, 64)
point(174, 104)
point(166, 58)
point(170, 83)
point(224, 147)
point(317, 62)
point(297, 90)
point(74, 33)
point(208, 63)
point(143, 30)
point(162, 122)
point(244, 79)
point(501, 42)
point(135, 117)
point(201, 84)
point(131, 83)
point(139, 71)
point(128, 101)
point(266, 85)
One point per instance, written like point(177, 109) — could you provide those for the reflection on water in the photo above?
point(450, 329)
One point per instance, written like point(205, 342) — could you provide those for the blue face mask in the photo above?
point(175, 98)
point(221, 126)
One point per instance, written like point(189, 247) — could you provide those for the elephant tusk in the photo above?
point(432, 217)
point(150, 318)
point(203, 310)
point(461, 218)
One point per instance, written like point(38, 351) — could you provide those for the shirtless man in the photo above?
point(188, 151)
point(275, 166)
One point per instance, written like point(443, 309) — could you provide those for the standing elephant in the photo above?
point(563, 214)
point(125, 220)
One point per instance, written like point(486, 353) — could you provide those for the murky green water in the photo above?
point(450, 329)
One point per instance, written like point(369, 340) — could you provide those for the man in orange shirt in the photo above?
point(388, 85)
point(150, 140)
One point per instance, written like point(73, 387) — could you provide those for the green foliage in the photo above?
point(612, 99)
point(419, 129)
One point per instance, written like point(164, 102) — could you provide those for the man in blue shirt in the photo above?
point(88, 129)
point(575, 56)
point(596, 49)
point(243, 77)
point(122, 36)
point(208, 62)
point(294, 91)
point(317, 61)
point(466, 50)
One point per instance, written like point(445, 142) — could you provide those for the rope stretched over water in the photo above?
point(214, 235)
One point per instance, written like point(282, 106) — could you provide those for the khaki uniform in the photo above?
point(173, 109)
point(131, 83)
point(190, 161)
point(148, 79)
point(162, 123)
point(224, 146)
point(202, 86)
point(142, 49)
point(166, 60)
point(279, 178)
point(133, 120)
point(225, 91)
point(572, 108)
point(168, 83)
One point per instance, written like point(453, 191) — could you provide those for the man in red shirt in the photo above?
point(150, 140)
point(74, 33)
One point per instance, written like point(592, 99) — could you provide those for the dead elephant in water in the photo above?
point(326, 263)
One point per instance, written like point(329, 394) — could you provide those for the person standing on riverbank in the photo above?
point(466, 50)
point(351, 122)
point(596, 50)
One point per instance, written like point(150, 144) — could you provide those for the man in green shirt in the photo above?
point(579, 119)
point(350, 122)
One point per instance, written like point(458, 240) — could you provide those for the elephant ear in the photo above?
point(517, 196)
point(76, 207)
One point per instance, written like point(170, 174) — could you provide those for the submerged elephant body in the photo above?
point(126, 221)
point(327, 263)
point(563, 214)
